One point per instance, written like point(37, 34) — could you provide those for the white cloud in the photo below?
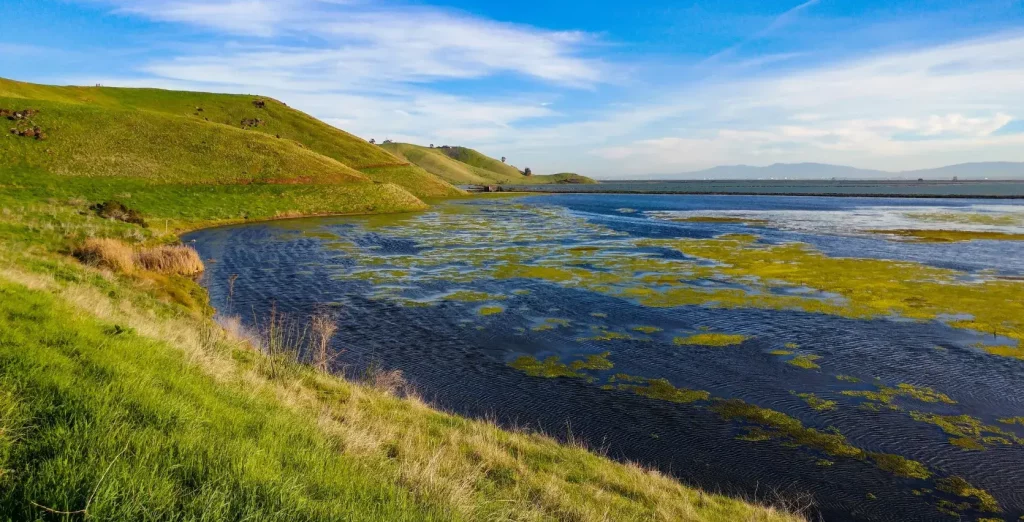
point(354, 43)
point(904, 109)
point(241, 17)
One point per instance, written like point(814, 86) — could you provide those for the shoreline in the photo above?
point(784, 194)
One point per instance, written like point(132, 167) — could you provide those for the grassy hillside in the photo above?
point(185, 137)
point(476, 159)
point(464, 166)
point(439, 164)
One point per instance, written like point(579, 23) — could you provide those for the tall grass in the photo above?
point(324, 326)
point(171, 259)
point(107, 253)
point(121, 257)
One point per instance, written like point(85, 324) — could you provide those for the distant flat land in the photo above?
point(873, 188)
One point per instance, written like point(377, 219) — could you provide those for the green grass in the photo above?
point(120, 425)
point(182, 206)
point(160, 136)
point(464, 166)
point(476, 159)
point(417, 181)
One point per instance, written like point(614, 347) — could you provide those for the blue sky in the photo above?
point(610, 89)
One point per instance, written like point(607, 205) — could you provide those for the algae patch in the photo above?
point(710, 339)
point(805, 361)
point(490, 310)
point(553, 367)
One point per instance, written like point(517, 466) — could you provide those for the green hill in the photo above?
point(186, 137)
point(465, 166)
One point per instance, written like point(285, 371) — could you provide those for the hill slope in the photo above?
point(175, 136)
point(465, 166)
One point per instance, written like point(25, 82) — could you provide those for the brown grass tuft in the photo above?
point(107, 253)
point(180, 260)
point(324, 327)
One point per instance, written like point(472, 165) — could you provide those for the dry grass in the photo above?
point(324, 327)
point(177, 259)
point(118, 256)
point(107, 253)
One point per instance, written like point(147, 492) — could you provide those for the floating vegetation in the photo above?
point(792, 346)
point(771, 424)
point(552, 367)
point(847, 378)
point(886, 395)
point(969, 218)
point(551, 323)
point(805, 361)
point(815, 402)
point(824, 463)
point(1012, 420)
point(472, 296)
point(647, 329)
point(520, 291)
point(490, 310)
point(521, 242)
point(968, 432)
point(711, 339)
point(949, 236)
point(1015, 352)
point(984, 501)
point(899, 465)
point(599, 315)
point(659, 389)
point(780, 352)
point(600, 334)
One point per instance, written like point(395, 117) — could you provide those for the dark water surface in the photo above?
point(877, 188)
point(392, 282)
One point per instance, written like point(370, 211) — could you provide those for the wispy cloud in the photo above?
point(776, 24)
point(904, 108)
point(352, 43)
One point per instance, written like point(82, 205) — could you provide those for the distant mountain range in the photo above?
point(963, 171)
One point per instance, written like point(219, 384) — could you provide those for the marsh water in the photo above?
point(631, 322)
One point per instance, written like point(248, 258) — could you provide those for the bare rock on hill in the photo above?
point(251, 122)
point(116, 210)
point(259, 104)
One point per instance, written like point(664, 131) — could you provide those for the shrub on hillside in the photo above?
point(116, 210)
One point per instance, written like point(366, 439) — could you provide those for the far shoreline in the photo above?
point(749, 188)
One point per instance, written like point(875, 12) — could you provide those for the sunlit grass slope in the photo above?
point(121, 399)
point(464, 166)
point(187, 137)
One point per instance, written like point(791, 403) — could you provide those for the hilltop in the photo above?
point(465, 166)
point(176, 137)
